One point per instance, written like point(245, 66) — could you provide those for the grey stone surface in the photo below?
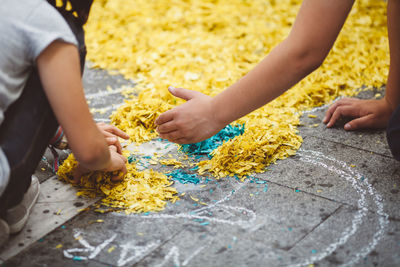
point(334, 203)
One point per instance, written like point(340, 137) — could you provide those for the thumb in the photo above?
point(183, 93)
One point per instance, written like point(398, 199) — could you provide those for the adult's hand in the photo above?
point(190, 122)
point(366, 113)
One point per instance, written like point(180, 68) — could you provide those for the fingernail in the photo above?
point(347, 126)
point(171, 88)
point(324, 120)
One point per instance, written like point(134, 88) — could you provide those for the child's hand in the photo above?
point(367, 113)
point(117, 163)
point(111, 133)
point(190, 122)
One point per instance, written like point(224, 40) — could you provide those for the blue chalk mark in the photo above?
point(265, 188)
point(206, 147)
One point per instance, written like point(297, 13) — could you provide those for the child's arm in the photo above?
point(313, 34)
point(375, 113)
point(59, 72)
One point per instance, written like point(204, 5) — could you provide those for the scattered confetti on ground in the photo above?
point(183, 177)
point(139, 191)
point(207, 46)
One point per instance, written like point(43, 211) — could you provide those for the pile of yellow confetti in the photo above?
point(137, 192)
point(207, 45)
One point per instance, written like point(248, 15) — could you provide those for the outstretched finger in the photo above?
point(172, 135)
point(359, 123)
point(341, 102)
point(339, 112)
point(167, 127)
point(113, 131)
point(113, 141)
point(183, 93)
point(165, 117)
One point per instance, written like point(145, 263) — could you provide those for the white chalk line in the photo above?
point(383, 217)
point(362, 205)
point(94, 251)
point(197, 214)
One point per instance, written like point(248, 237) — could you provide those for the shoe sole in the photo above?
point(17, 227)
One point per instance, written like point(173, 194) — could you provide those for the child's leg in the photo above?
point(28, 126)
point(393, 133)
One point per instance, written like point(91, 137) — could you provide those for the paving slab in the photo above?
point(334, 203)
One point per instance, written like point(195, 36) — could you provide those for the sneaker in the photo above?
point(4, 232)
point(17, 216)
point(59, 140)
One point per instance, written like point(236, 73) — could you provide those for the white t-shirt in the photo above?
point(27, 27)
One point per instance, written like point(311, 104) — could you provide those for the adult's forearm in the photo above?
point(280, 70)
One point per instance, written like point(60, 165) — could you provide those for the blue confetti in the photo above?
point(205, 223)
point(265, 188)
point(131, 159)
point(146, 213)
point(362, 178)
point(313, 251)
point(183, 177)
point(211, 191)
point(206, 147)
point(63, 227)
point(198, 220)
point(77, 258)
point(297, 190)
point(290, 229)
point(229, 246)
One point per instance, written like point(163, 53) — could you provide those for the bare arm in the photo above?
point(374, 113)
point(59, 72)
point(313, 34)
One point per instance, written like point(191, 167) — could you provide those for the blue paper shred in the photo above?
point(265, 188)
point(206, 147)
point(77, 258)
point(183, 177)
point(205, 223)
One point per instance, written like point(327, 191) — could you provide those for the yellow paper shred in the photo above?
point(139, 191)
point(207, 46)
point(195, 45)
